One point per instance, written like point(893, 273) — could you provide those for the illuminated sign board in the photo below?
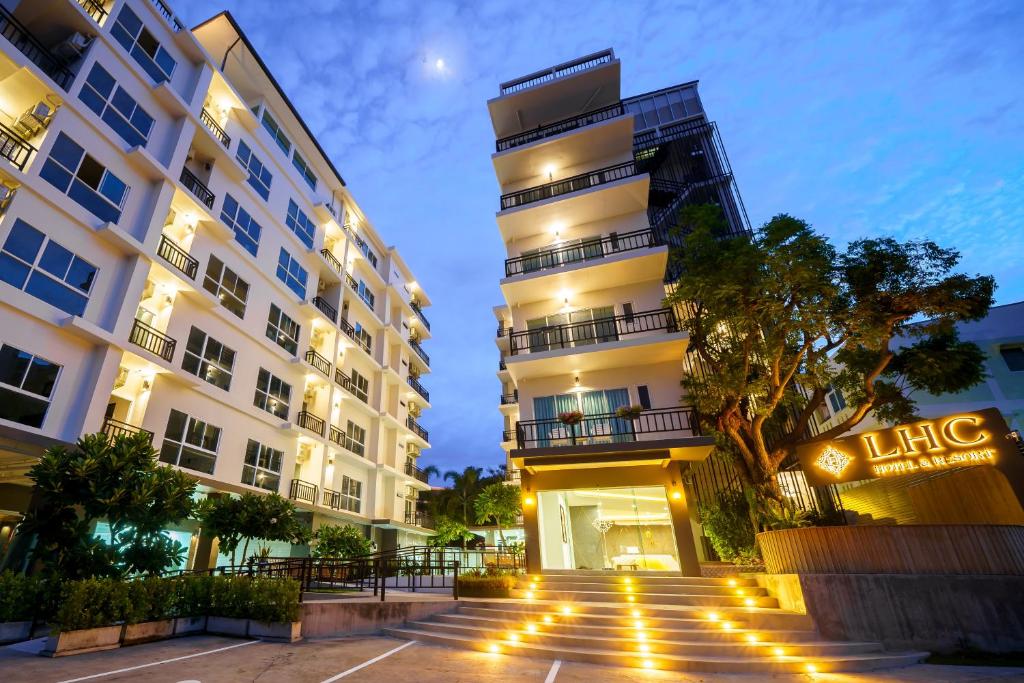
point(958, 440)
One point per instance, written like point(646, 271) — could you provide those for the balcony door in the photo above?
point(575, 328)
point(599, 424)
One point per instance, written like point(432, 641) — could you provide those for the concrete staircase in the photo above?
point(650, 620)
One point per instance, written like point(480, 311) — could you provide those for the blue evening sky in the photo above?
point(864, 118)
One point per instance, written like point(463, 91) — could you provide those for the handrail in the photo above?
point(328, 310)
point(167, 14)
point(415, 472)
point(510, 399)
point(347, 442)
point(556, 72)
point(348, 329)
point(214, 127)
point(419, 351)
point(559, 127)
point(15, 148)
point(308, 420)
point(590, 248)
point(152, 340)
point(115, 428)
point(197, 187)
point(606, 428)
point(507, 435)
point(415, 427)
point(597, 331)
point(94, 10)
point(575, 183)
point(419, 313)
point(31, 47)
point(169, 250)
point(332, 260)
point(318, 362)
point(304, 491)
point(419, 388)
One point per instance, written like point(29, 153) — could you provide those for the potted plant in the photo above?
point(570, 417)
point(90, 617)
point(274, 610)
point(151, 605)
point(629, 412)
point(193, 597)
point(229, 605)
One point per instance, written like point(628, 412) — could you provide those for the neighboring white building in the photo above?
point(178, 255)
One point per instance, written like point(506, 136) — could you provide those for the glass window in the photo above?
point(247, 230)
point(224, 283)
point(367, 252)
point(272, 394)
point(190, 443)
point(363, 337)
point(259, 177)
point(283, 330)
point(262, 466)
point(351, 493)
point(26, 386)
point(360, 386)
point(116, 107)
point(208, 359)
point(45, 269)
point(275, 131)
point(291, 273)
point(835, 397)
point(1014, 357)
point(84, 179)
point(300, 224)
point(142, 45)
point(366, 294)
point(356, 438)
point(304, 170)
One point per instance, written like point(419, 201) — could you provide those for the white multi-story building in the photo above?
point(178, 255)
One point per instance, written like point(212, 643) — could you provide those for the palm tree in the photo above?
point(431, 471)
point(465, 486)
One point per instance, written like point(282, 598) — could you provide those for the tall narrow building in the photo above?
point(595, 427)
point(180, 257)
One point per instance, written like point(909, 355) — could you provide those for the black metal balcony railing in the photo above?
point(344, 381)
point(347, 328)
point(214, 127)
point(559, 127)
point(507, 435)
point(303, 490)
point(415, 427)
point(153, 340)
point(169, 251)
point(587, 250)
point(328, 310)
point(167, 14)
point(419, 518)
point(510, 399)
point(196, 187)
point(115, 428)
point(556, 72)
point(419, 313)
point(351, 282)
point(318, 362)
point(502, 331)
point(514, 476)
point(31, 47)
point(415, 472)
point(13, 148)
point(501, 363)
point(576, 183)
point(419, 388)
point(598, 331)
point(94, 10)
point(606, 428)
point(308, 420)
point(332, 260)
point(419, 351)
point(345, 441)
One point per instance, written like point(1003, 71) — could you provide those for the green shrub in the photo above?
point(20, 597)
point(728, 526)
point(489, 583)
point(91, 603)
point(274, 599)
point(192, 593)
point(230, 596)
point(151, 599)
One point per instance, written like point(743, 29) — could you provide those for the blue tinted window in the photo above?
point(275, 132)
point(259, 177)
point(291, 273)
point(84, 179)
point(144, 48)
point(304, 169)
point(247, 231)
point(116, 107)
point(26, 385)
point(300, 224)
point(53, 273)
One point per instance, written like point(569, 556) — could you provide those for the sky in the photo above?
point(863, 118)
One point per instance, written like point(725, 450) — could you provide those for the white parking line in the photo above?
point(162, 661)
point(555, 666)
point(369, 662)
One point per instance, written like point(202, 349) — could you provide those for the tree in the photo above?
point(501, 503)
point(340, 541)
point(119, 481)
point(431, 471)
point(251, 516)
point(448, 531)
point(465, 486)
point(778, 318)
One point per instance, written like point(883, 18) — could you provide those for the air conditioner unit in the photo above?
point(72, 47)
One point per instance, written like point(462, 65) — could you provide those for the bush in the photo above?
point(91, 603)
point(489, 583)
point(152, 599)
point(274, 600)
point(230, 597)
point(20, 597)
point(192, 595)
point(341, 541)
point(728, 526)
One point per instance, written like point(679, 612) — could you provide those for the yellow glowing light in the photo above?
point(494, 648)
point(566, 610)
point(641, 635)
point(635, 613)
point(740, 591)
point(529, 595)
point(727, 625)
point(638, 623)
point(547, 619)
point(627, 580)
point(676, 495)
point(833, 461)
point(549, 170)
point(631, 598)
point(629, 589)
point(644, 648)
point(752, 638)
point(514, 637)
point(528, 500)
point(712, 616)
point(648, 664)
point(531, 628)
point(811, 669)
point(749, 602)
point(732, 582)
point(778, 651)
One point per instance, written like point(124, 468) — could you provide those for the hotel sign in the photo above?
point(958, 440)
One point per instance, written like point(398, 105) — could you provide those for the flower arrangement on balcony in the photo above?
point(570, 417)
point(629, 412)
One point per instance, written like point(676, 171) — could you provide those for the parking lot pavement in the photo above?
point(212, 659)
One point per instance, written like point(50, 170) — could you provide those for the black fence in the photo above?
point(559, 127)
point(576, 183)
point(197, 187)
point(214, 127)
point(13, 148)
point(599, 330)
point(586, 250)
point(607, 428)
point(169, 251)
point(153, 340)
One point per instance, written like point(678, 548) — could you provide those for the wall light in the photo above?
point(528, 500)
point(550, 170)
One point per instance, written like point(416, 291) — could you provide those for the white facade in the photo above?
point(193, 209)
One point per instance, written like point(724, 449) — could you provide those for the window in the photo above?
point(116, 107)
point(84, 179)
point(142, 45)
point(26, 386)
point(262, 466)
point(208, 359)
point(356, 438)
point(643, 394)
point(224, 283)
point(43, 268)
point(304, 169)
point(275, 131)
point(835, 397)
point(367, 252)
point(363, 337)
point(283, 330)
point(247, 230)
point(300, 224)
point(190, 443)
point(291, 273)
point(566, 330)
point(1013, 356)
point(601, 425)
point(272, 394)
point(360, 386)
point(366, 294)
point(351, 493)
point(259, 177)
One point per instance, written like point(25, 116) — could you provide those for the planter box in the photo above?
point(82, 641)
point(15, 631)
point(186, 626)
point(227, 626)
point(147, 631)
point(281, 631)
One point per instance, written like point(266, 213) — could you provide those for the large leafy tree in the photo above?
point(465, 486)
point(498, 502)
point(340, 541)
point(239, 520)
point(777, 318)
point(120, 482)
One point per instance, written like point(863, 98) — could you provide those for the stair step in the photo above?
point(648, 598)
point(659, 588)
point(702, 662)
point(642, 579)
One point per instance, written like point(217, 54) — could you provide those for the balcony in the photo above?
point(587, 333)
point(318, 362)
point(336, 500)
point(507, 435)
point(415, 384)
point(152, 340)
point(332, 260)
point(347, 442)
point(214, 128)
point(559, 127)
point(502, 330)
point(345, 382)
point(415, 472)
point(418, 518)
point(14, 148)
point(34, 50)
point(556, 72)
point(169, 251)
point(303, 491)
point(587, 250)
point(501, 363)
point(115, 428)
point(608, 428)
point(347, 328)
point(415, 427)
point(197, 188)
point(167, 14)
point(419, 351)
point(94, 9)
point(419, 313)
point(513, 476)
point(308, 420)
point(510, 399)
point(583, 181)
point(328, 310)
